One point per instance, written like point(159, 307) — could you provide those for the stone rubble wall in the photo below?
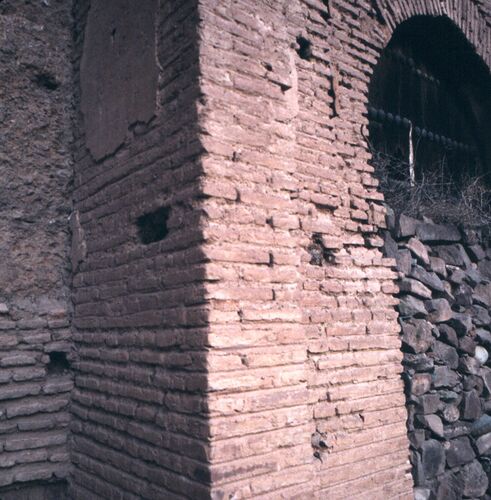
point(444, 312)
point(36, 168)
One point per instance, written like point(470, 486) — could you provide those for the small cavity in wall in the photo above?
point(445, 298)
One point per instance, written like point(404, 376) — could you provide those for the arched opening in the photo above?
point(429, 111)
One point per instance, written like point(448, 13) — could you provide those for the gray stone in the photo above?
point(485, 374)
point(450, 396)
point(410, 306)
point(439, 310)
point(416, 335)
point(469, 364)
point(461, 323)
point(483, 443)
point(463, 295)
point(422, 494)
point(457, 429)
point(445, 355)
point(433, 423)
point(433, 458)
point(390, 246)
point(484, 337)
point(404, 261)
point(449, 487)
point(482, 294)
point(482, 354)
point(471, 236)
point(485, 268)
point(471, 406)
point(417, 469)
point(445, 377)
point(431, 280)
point(414, 287)
point(390, 218)
point(480, 316)
point(473, 277)
point(437, 232)
point(474, 480)
point(476, 252)
point(467, 345)
point(457, 277)
point(419, 250)
point(437, 265)
point(469, 381)
point(416, 438)
point(428, 403)
point(420, 383)
point(406, 226)
point(450, 413)
point(455, 255)
point(459, 452)
point(481, 426)
point(418, 362)
point(448, 334)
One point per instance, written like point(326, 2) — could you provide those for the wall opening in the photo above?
point(58, 363)
point(152, 226)
point(429, 119)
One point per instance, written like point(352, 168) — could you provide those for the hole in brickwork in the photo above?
point(152, 226)
point(47, 80)
point(319, 253)
point(58, 363)
point(304, 49)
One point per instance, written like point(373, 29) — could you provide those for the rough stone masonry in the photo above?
point(194, 299)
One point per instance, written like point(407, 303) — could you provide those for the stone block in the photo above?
point(406, 226)
point(433, 458)
point(417, 336)
point(445, 355)
point(437, 233)
point(454, 255)
point(429, 279)
point(459, 452)
point(414, 287)
point(439, 310)
point(445, 377)
point(474, 480)
point(419, 250)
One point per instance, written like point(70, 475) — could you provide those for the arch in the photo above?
point(430, 100)
point(467, 15)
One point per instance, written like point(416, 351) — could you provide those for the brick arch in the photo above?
point(465, 14)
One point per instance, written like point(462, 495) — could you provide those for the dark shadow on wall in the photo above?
point(430, 83)
point(140, 423)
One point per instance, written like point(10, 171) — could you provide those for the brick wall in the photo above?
point(139, 428)
point(306, 397)
point(234, 319)
point(36, 172)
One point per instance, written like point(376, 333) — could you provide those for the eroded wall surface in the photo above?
point(35, 205)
